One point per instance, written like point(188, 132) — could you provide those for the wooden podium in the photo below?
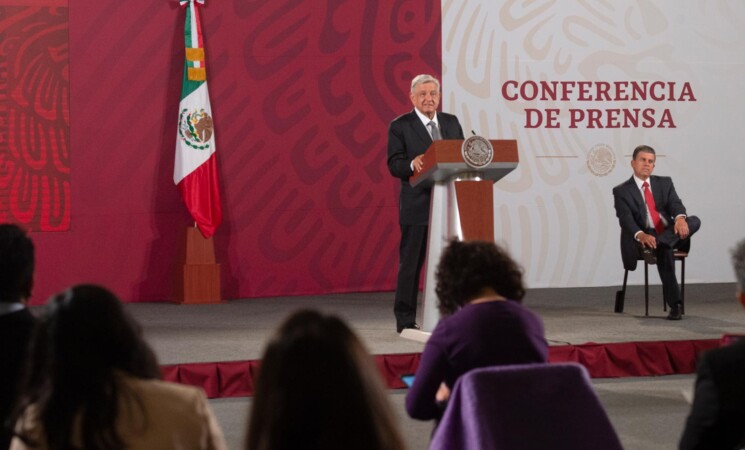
point(462, 203)
point(201, 283)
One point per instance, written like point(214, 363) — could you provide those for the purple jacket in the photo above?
point(480, 335)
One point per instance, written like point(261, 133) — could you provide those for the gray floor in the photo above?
point(648, 413)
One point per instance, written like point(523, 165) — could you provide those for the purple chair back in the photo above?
point(525, 407)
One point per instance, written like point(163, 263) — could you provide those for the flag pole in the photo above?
point(195, 167)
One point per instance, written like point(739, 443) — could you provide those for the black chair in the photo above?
point(679, 255)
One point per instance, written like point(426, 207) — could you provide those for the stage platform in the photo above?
point(647, 412)
point(237, 330)
point(218, 346)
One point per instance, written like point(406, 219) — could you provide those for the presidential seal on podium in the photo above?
point(477, 152)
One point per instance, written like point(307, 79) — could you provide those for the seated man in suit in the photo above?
point(718, 407)
point(16, 322)
point(653, 222)
point(409, 136)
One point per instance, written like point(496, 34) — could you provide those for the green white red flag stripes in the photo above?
point(195, 168)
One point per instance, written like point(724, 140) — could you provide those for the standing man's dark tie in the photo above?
point(434, 131)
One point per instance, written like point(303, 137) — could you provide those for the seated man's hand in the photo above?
point(647, 240)
point(681, 228)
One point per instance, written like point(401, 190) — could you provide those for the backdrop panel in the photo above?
point(34, 115)
point(302, 93)
point(580, 85)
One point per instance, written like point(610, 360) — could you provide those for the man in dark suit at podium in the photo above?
point(16, 321)
point(409, 136)
point(653, 222)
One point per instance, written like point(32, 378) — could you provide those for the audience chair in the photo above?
point(527, 407)
point(679, 255)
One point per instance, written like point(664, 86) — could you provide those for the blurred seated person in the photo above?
point(16, 321)
point(319, 389)
point(479, 289)
point(717, 418)
point(93, 383)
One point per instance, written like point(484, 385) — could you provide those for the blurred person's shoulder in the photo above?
point(164, 394)
point(730, 354)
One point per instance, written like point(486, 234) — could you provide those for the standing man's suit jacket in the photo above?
point(632, 212)
point(408, 138)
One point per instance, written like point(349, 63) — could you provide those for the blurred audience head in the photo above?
point(467, 269)
point(82, 340)
point(16, 264)
point(738, 261)
point(318, 388)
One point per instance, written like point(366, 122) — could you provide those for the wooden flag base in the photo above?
point(201, 273)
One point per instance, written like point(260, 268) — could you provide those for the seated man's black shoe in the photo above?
point(412, 325)
point(649, 255)
point(676, 312)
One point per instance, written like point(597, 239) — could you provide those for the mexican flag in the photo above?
point(195, 169)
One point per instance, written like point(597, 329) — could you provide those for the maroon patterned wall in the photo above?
point(302, 92)
point(34, 117)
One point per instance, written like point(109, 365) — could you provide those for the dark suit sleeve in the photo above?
point(623, 203)
point(451, 127)
point(399, 163)
point(703, 412)
point(674, 203)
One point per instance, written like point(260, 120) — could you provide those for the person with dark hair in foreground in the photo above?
point(16, 321)
point(319, 389)
point(92, 383)
point(479, 290)
point(717, 418)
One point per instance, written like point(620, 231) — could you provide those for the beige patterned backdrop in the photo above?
point(555, 212)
